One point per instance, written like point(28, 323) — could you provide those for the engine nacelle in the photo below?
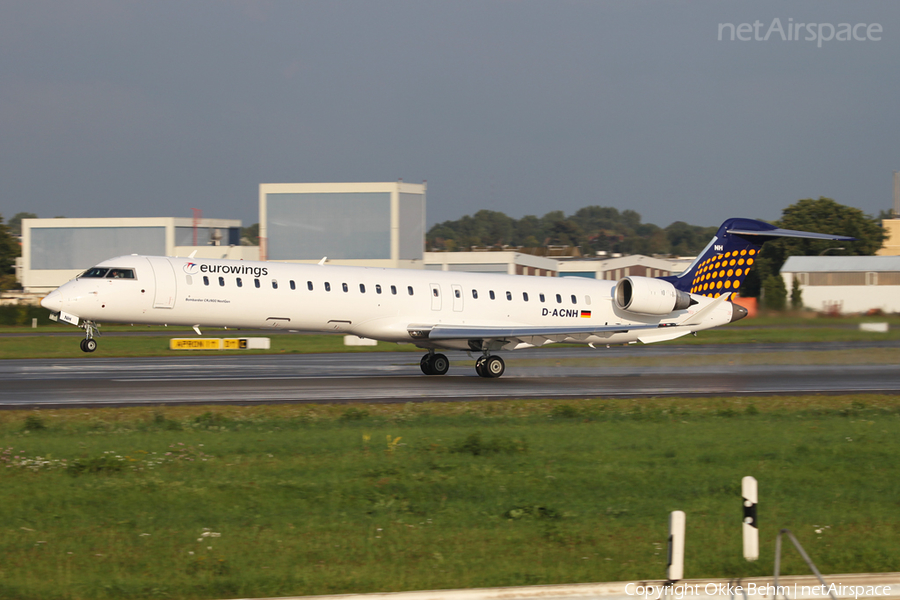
point(649, 296)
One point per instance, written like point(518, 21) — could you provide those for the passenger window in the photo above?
point(509, 295)
point(362, 288)
point(344, 287)
point(574, 300)
point(256, 282)
point(558, 299)
point(541, 296)
point(309, 285)
point(221, 282)
point(491, 294)
point(377, 288)
point(274, 285)
point(587, 300)
point(327, 287)
point(239, 282)
point(293, 285)
point(205, 280)
point(189, 279)
point(457, 293)
point(435, 292)
point(475, 294)
point(525, 296)
point(394, 290)
point(409, 289)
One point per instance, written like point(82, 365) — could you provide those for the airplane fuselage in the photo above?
point(378, 303)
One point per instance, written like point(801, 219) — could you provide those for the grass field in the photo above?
point(290, 500)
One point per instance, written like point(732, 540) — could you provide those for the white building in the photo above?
point(362, 224)
point(519, 263)
point(845, 284)
point(508, 262)
point(56, 250)
point(614, 269)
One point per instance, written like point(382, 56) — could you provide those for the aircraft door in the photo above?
point(457, 297)
point(435, 296)
point(164, 275)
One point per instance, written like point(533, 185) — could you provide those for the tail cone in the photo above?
point(738, 312)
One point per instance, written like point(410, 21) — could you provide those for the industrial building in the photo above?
point(365, 224)
point(845, 284)
point(361, 224)
point(56, 250)
point(520, 263)
point(507, 262)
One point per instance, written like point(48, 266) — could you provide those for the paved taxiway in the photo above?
point(395, 376)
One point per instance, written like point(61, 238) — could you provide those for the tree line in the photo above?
point(592, 229)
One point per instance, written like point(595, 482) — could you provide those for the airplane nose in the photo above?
point(52, 301)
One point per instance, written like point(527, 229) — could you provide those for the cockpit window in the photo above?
point(95, 272)
point(106, 272)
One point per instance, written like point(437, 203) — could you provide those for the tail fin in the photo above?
point(729, 256)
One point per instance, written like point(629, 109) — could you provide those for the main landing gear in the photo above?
point(489, 366)
point(434, 364)
point(486, 366)
point(89, 344)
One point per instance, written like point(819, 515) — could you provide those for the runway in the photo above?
point(395, 377)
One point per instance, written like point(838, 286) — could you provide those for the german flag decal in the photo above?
point(585, 314)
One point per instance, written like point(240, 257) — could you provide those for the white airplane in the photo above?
point(474, 312)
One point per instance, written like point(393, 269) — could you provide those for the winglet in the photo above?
point(698, 317)
point(192, 254)
point(322, 262)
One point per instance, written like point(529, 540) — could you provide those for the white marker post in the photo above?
point(675, 570)
point(750, 524)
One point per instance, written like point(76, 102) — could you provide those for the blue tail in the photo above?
point(726, 260)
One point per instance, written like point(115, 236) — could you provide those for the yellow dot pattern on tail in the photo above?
point(722, 273)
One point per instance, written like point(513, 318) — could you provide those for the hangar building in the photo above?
point(56, 250)
point(361, 224)
point(845, 284)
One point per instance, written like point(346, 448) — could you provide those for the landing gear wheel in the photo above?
point(88, 345)
point(439, 364)
point(479, 367)
point(425, 365)
point(493, 366)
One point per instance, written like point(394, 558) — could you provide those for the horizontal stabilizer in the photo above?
point(698, 317)
point(790, 233)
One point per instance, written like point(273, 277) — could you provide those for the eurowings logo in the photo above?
point(192, 268)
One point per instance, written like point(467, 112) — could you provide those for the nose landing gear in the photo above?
point(89, 344)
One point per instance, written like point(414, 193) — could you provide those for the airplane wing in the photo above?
point(540, 335)
point(527, 335)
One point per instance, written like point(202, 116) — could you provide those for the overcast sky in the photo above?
point(149, 108)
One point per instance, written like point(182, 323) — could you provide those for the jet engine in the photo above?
point(649, 296)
